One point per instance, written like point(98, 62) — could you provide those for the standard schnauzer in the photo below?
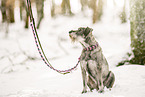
point(92, 61)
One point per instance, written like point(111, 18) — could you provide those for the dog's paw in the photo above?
point(100, 91)
point(84, 91)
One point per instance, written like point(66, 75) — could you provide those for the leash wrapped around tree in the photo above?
point(38, 44)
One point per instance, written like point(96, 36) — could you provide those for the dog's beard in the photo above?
point(77, 39)
point(72, 38)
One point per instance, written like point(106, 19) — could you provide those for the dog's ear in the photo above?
point(71, 31)
point(87, 31)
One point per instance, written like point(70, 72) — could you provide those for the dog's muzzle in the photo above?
point(72, 36)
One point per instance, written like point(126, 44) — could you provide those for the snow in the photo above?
point(21, 77)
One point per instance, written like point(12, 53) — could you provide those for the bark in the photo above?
point(40, 12)
point(22, 7)
point(97, 7)
point(3, 10)
point(84, 3)
point(123, 13)
point(10, 4)
point(66, 8)
point(52, 8)
point(137, 31)
point(100, 9)
point(94, 7)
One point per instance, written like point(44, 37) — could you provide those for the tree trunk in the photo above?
point(137, 31)
point(66, 8)
point(40, 13)
point(27, 20)
point(100, 9)
point(3, 10)
point(52, 8)
point(84, 3)
point(123, 16)
point(97, 7)
point(10, 10)
point(22, 7)
point(24, 14)
point(92, 4)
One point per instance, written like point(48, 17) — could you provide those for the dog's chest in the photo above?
point(88, 55)
point(89, 66)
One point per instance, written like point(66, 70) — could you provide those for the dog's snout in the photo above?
point(70, 36)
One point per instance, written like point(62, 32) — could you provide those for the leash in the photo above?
point(39, 47)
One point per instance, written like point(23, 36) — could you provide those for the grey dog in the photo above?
point(94, 66)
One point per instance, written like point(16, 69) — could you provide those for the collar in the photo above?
point(91, 48)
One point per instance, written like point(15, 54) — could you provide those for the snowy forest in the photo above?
point(118, 26)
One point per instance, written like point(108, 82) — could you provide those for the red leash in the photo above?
point(39, 47)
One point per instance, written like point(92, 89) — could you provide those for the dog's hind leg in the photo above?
point(109, 81)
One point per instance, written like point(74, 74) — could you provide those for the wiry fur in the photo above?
point(93, 63)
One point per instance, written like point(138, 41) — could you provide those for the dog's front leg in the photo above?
point(99, 79)
point(100, 83)
point(84, 76)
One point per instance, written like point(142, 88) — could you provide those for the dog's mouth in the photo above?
point(72, 38)
point(72, 35)
point(75, 36)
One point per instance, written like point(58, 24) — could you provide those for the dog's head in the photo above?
point(80, 34)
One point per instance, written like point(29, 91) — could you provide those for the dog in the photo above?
point(94, 66)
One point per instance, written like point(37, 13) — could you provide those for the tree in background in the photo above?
point(100, 9)
point(7, 9)
point(7, 12)
point(64, 8)
point(137, 31)
point(40, 12)
point(3, 10)
point(84, 3)
point(123, 16)
point(24, 15)
point(24, 12)
point(22, 5)
point(96, 6)
point(52, 8)
point(10, 8)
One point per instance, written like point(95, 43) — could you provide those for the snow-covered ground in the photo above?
point(32, 78)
